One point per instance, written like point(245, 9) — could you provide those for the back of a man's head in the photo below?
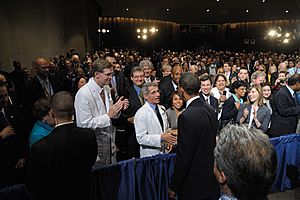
point(190, 83)
point(62, 105)
point(294, 79)
point(248, 160)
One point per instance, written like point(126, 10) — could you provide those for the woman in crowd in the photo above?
point(255, 114)
point(232, 104)
point(267, 92)
point(176, 109)
point(220, 91)
point(78, 83)
point(45, 122)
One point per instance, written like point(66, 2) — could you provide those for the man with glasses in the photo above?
point(151, 124)
point(295, 69)
point(93, 102)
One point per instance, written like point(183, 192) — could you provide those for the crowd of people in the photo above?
point(163, 101)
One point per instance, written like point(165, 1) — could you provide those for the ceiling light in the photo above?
point(138, 30)
point(127, 9)
point(218, 0)
point(287, 35)
point(272, 33)
point(207, 10)
point(168, 9)
point(145, 30)
point(279, 35)
point(286, 41)
point(286, 11)
point(156, 30)
point(263, 1)
point(247, 11)
point(99, 30)
point(138, 36)
point(103, 31)
point(152, 30)
point(144, 37)
point(107, 31)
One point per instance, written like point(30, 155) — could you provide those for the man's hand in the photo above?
point(169, 138)
point(130, 120)
point(116, 108)
point(7, 131)
point(172, 194)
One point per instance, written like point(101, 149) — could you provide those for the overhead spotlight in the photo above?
point(107, 31)
point(287, 35)
point(286, 41)
point(152, 30)
point(207, 10)
point(145, 30)
point(99, 30)
point(263, 1)
point(127, 9)
point(103, 31)
point(272, 33)
point(138, 30)
point(218, 0)
point(144, 37)
point(138, 36)
point(286, 11)
point(247, 11)
point(156, 30)
point(279, 35)
point(168, 9)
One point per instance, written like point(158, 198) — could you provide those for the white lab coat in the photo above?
point(148, 129)
point(89, 107)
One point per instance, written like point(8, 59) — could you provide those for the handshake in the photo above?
point(120, 105)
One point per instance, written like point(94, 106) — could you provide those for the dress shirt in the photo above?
point(175, 86)
point(191, 100)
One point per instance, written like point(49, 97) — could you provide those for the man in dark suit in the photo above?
point(205, 87)
point(13, 140)
point(59, 165)
point(169, 85)
point(285, 109)
point(193, 176)
point(136, 101)
point(39, 86)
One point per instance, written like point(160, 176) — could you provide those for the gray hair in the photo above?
point(145, 88)
point(99, 65)
point(248, 160)
point(257, 74)
point(148, 63)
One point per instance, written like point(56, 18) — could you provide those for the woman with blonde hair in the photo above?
point(254, 113)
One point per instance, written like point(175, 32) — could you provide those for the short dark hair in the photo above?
point(294, 79)
point(190, 83)
point(99, 65)
point(62, 104)
point(41, 108)
point(236, 85)
point(205, 77)
point(248, 160)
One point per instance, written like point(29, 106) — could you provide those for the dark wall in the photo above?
point(44, 28)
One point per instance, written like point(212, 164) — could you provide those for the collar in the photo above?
point(42, 80)
point(153, 106)
point(61, 124)
point(191, 100)
point(290, 89)
point(137, 89)
point(175, 85)
point(95, 85)
point(237, 99)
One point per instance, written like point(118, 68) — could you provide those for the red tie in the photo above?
point(103, 97)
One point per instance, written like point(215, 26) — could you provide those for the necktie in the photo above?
point(206, 100)
point(159, 118)
point(46, 89)
point(141, 98)
point(102, 95)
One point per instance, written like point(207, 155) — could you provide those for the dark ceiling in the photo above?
point(196, 12)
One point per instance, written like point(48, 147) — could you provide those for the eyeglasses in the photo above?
point(154, 92)
point(140, 76)
point(109, 74)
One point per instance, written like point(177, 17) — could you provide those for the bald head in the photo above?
point(42, 67)
point(176, 73)
point(62, 105)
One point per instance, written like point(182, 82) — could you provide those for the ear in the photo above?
point(220, 176)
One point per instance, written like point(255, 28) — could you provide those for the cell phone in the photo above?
point(224, 93)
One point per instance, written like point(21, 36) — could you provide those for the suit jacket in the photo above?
point(32, 91)
point(263, 116)
point(193, 176)
point(229, 111)
point(120, 81)
point(285, 113)
point(148, 129)
point(166, 87)
point(59, 165)
point(213, 101)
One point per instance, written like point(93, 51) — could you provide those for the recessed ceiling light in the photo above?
point(207, 10)
point(247, 11)
point(168, 9)
point(218, 0)
point(127, 9)
point(263, 1)
point(286, 11)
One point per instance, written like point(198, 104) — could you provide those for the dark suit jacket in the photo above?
point(32, 91)
point(285, 113)
point(229, 111)
point(193, 176)
point(213, 101)
point(13, 147)
point(166, 87)
point(59, 165)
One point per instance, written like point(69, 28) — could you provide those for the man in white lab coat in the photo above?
point(151, 124)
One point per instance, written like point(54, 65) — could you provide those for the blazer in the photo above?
point(285, 113)
point(148, 129)
point(193, 176)
point(91, 112)
point(213, 101)
point(229, 111)
point(263, 116)
point(166, 87)
point(59, 165)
